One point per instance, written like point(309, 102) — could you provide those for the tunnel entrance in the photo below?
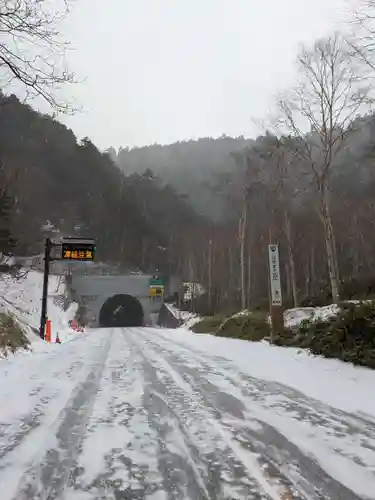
point(121, 311)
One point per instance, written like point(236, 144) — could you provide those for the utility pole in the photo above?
point(47, 260)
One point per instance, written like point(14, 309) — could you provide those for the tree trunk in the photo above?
point(248, 278)
point(209, 291)
point(231, 291)
point(192, 286)
point(143, 252)
point(288, 280)
point(292, 265)
point(330, 243)
point(241, 235)
point(307, 268)
point(312, 272)
point(357, 261)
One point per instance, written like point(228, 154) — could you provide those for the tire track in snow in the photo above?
point(43, 473)
point(177, 458)
point(119, 453)
point(40, 397)
point(291, 400)
point(280, 458)
point(226, 470)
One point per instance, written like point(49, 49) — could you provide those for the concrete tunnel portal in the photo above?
point(121, 310)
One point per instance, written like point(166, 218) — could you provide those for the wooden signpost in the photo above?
point(277, 315)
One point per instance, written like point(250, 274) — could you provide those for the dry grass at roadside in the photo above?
point(12, 336)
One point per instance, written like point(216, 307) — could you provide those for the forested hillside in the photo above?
point(311, 193)
point(50, 180)
point(262, 192)
point(193, 168)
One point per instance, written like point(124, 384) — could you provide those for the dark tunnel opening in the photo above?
point(121, 311)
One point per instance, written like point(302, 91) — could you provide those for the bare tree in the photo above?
point(281, 157)
point(329, 95)
point(277, 160)
point(244, 186)
point(242, 224)
point(32, 52)
point(362, 39)
point(209, 290)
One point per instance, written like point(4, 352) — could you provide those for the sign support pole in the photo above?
point(72, 249)
point(277, 314)
point(47, 260)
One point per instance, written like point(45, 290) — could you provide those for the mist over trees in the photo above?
point(271, 195)
point(188, 165)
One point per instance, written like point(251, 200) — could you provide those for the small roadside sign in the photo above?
point(155, 287)
point(156, 282)
point(277, 316)
point(155, 291)
point(273, 253)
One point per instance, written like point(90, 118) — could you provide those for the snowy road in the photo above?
point(139, 414)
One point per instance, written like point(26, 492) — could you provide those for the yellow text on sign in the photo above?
point(78, 254)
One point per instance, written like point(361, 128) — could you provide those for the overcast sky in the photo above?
point(168, 70)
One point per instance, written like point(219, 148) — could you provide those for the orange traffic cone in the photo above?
point(74, 324)
point(47, 336)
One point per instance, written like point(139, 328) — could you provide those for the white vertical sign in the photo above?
point(273, 254)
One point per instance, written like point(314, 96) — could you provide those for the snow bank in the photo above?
point(189, 319)
point(293, 317)
point(245, 312)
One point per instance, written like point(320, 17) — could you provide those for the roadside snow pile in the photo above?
point(22, 298)
point(294, 317)
point(245, 312)
point(193, 320)
point(188, 319)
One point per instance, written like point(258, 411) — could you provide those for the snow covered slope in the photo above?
point(23, 298)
